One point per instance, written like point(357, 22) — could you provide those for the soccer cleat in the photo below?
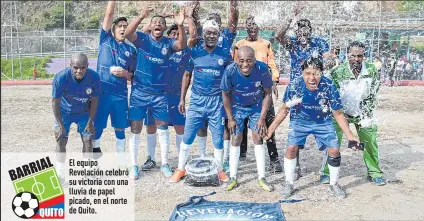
point(233, 184)
point(166, 170)
point(226, 166)
point(148, 165)
point(324, 179)
point(287, 190)
point(223, 176)
point(265, 185)
point(297, 173)
point(337, 191)
point(378, 181)
point(275, 166)
point(176, 177)
point(97, 153)
point(134, 173)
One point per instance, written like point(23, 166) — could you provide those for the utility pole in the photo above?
point(17, 35)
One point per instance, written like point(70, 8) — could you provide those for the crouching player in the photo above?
point(75, 93)
point(244, 85)
point(312, 100)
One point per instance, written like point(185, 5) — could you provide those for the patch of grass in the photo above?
point(27, 65)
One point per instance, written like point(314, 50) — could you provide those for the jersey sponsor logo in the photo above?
point(164, 51)
point(220, 61)
point(175, 59)
point(257, 84)
point(81, 99)
point(210, 71)
point(88, 91)
point(255, 93)
point(122, 61)
point(155, 60)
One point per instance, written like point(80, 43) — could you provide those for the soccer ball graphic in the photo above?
point(25, 205)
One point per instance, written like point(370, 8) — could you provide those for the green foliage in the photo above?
point(54, 17)
point(407, 6)
point(27, 65)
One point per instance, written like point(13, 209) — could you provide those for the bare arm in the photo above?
point(108, 19)
point(226, 98)
point(282, 31)
point(184, 87)
point(281, 115)
point(94, 102)
point(265, 103)
point(130, 32)
point(181, 43)
point(192, 28)
point(343, 124)
point(233, 17)
point(146, 28)
point(56, 111)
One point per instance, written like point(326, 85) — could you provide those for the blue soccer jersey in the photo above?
point(75, 95)
point(246, 90)
point(317, 47)
point(152, 63)
point(178, 64)
point(114, 53)
point(208, 69)
point(315, 105)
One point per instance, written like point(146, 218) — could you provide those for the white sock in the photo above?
point(202, 145)
point(227, 150)
point(60, 169)
point(289, 167)
point(234, 160)
point(178, 140)
point(164, 145)
point(96, 143)
point(183, 155)
point(134, 143)
point(151, 145)
point(334, 174)
point(218, 155)
point(120, 150)
point(260, 160)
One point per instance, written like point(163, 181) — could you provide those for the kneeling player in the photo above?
point(312, 99)
point(243, 86)
point(75, 93)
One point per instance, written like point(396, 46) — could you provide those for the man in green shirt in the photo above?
point(358, 83)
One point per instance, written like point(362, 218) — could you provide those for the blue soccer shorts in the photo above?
point(241, 113)
point(142, 102)
point(325, 133)
point(116, 107)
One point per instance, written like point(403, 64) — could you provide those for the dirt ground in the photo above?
point(27, 125)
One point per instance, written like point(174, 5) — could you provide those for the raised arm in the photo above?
point(130, 32)
point(233, 17)
point(282, 31)
point(108, 19)
point(192, 28)
point(181, 43)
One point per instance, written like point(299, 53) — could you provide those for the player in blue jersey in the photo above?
point(225, 41)
point(75, 94)
point(246, 91)
point(178, 63)
point(312, 100)
point(301, 47)
point(115, 65)
point(148, 91)
point(208, 63)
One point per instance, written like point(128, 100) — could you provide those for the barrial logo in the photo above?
point(39, 193)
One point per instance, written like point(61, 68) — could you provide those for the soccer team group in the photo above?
point(231, 92)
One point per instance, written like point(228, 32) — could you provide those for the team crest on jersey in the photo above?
point(322, 101)
point(220, 39)
point(257, 84)
point(220, 61)
point(88, 90)
point(315, 54)
point(164, 51)
point(127, 53)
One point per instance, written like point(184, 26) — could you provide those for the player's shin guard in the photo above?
point(227, 150)
point(183, 155)
point(289, 168)
point(218, 155)
point(234, 160)
point(202, 145)
point(260, 160)
point(334, 167)
point(134, 143)
point(120, 151)
point(164, 144)
point(178, 140)
point(151, 145)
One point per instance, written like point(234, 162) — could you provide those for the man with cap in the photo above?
point(208, 62)
point(115, 65)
